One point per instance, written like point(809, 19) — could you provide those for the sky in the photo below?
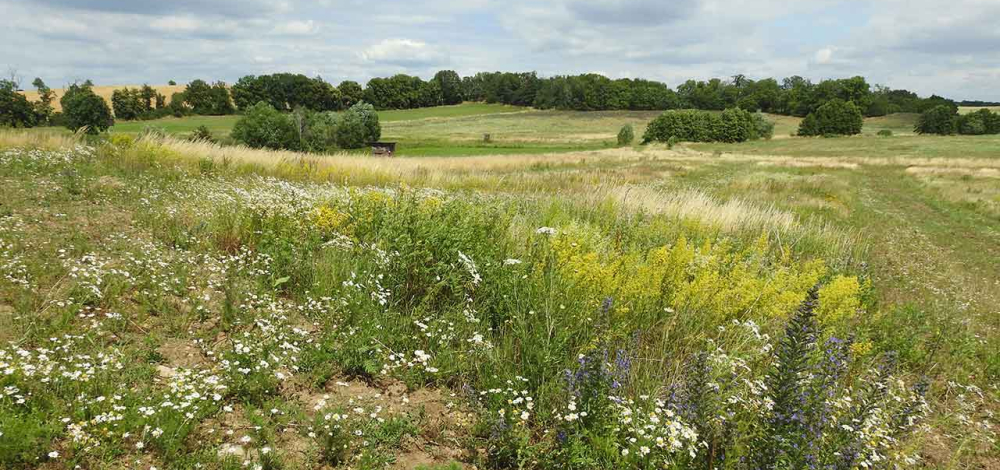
point(949, 48)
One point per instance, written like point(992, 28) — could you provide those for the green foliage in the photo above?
point(264, 126)
point(317, 130)
point(626, 135)
point(762, 128)
point(208, 99)
point(835, 117)
point(43, 107)
point(306, 130)
point(202, 133)
point(358, 126)
point(82, 108)
point(941, 120)
point(178, 104)
point(15, 110)
point(979, 122)
point(451, 86)
point(350, 93)
point(885, 133)
point(129, 104)
point(732, 125)
point(287, 92)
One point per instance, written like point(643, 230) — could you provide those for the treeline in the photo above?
point(198, 97)
point(17, 111)
point(81, 107)
point(944, 120)
point(794, 96)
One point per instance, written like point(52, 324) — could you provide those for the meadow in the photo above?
point(543, 300)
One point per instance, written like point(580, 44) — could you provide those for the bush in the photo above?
point(835, 117)
point(763, 129)
point(686, 125)
point(885, 133)
point(358, 126)
point(82, 108)
point(732, 125)
point(941, 119)
point(735, 125)
point(202, 133)
point(15, 110)
point(262, 126)
point(980, 122)
point(318, 130)
point(626, 135)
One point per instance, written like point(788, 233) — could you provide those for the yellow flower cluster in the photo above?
point(329, 220)
point(713, 280)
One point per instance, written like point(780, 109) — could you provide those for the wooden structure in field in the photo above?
point(383, 149)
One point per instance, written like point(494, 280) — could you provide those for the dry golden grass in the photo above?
point(47, 139)
point(626, 177)
point(105, 92)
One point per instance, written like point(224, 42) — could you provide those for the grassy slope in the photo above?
point(221, 125)
point(930, 239)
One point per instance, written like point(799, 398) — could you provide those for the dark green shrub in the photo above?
point(885, 133)
point(213, 100)
point(15, 110)
point(626, 135)
point(202, 133)
point(735, 125)
point(262, 126)
point(971, 124)
point(835, 117)
point(941, 119)
point(82, 108)
point(732, 125)
point(128, 104)
point(685, 125)
point(980, 122)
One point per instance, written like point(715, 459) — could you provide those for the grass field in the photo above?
point(516, 304)
point(460, 130)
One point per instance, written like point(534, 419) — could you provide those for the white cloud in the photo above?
point(403, 52)
point(176, 24)
point(823, 56)
point(927, 46)
point(296, 28)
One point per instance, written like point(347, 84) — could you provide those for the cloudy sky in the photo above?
point(948, 47)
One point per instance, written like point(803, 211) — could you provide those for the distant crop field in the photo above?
point(104, 91)
point(970, 109)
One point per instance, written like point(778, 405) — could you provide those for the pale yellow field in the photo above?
point(105, 92)
point(970, 109)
